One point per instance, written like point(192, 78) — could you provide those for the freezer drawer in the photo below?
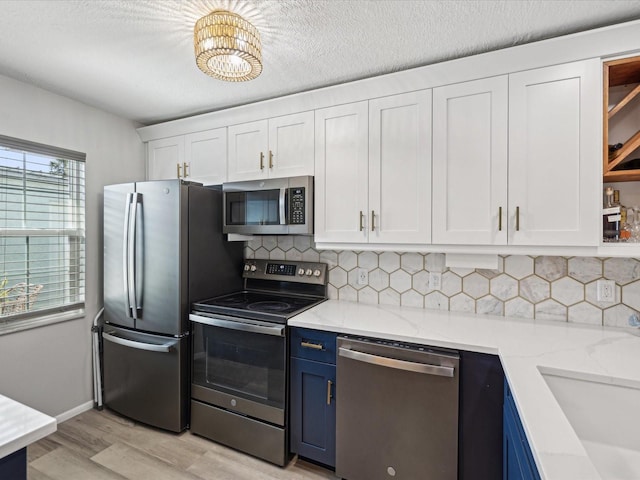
point(145, 377)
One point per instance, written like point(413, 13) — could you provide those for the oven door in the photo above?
point(240, 365)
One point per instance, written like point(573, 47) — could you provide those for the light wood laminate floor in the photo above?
point(103, 445)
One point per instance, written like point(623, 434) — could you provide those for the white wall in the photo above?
point(49, 368)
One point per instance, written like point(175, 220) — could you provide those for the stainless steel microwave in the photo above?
point(277, 206)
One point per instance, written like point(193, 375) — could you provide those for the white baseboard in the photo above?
point(74, 411)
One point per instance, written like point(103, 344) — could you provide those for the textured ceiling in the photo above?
point(135, 57)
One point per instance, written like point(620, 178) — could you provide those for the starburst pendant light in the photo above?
point(227, 47)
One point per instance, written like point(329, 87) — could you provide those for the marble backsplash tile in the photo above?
point(543, 287)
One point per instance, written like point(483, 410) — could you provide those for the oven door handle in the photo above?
point(235, 324)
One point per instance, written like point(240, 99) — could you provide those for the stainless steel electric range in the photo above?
point(239, 379)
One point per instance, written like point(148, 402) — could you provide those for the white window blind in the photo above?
point(42, 230)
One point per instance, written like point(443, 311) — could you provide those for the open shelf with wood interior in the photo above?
point(621, 120)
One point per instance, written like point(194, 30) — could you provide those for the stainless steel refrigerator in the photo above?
point(163, 250)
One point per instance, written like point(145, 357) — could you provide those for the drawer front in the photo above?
point(316, 345)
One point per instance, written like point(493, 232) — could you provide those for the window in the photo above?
point(42, 234)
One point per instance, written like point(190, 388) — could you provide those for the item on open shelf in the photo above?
point(611, 218)
point(633, 164)
point(614, 147)
point(633, 222)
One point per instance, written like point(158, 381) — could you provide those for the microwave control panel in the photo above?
point(296, 206)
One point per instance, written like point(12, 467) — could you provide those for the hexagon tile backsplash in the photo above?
point(549, 288)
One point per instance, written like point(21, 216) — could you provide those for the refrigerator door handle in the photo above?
point(131, 255)
point(138, 252)
point(125, 255)
point(151, 347)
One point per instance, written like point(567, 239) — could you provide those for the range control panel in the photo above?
point(290, 271)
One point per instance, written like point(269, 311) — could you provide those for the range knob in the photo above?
point(316, 273)
point(308, 272)
point(246, 267)
point(253, 268)
point(301, 271)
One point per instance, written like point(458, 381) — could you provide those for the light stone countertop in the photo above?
point(21, 425)
point(524, 347)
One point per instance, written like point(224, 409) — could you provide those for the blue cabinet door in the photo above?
point(14, 465)
point(313, 410)
point(517, 458)
point(480, 427)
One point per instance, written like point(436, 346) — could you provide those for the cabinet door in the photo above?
point(313, 410)
point(517, 458)
point(400, 168)
point(470, 162)
point(291, 145)
point(480, 427)
point(206, 156)
point(248, 149)
point(555, 135)
point(341, 173)
point(165, 158)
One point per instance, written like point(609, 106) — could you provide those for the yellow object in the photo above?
point(227, 47)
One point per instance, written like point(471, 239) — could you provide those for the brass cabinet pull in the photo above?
point(517, 219)
point(361, 221)
point(329, 384)
point(499, 219)
point(261, 161)
point(315, 346)
point(178, 165)
point(373, 225)
point(184, 169)
point(270, 159)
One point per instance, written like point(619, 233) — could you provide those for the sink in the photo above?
point(605, 416)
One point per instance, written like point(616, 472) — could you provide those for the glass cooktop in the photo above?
point(257, 305)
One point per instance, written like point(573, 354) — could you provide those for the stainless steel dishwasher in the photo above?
point(397, 411)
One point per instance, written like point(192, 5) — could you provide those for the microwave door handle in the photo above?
point(283, 206)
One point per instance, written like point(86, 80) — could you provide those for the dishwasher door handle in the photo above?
point(397, 364)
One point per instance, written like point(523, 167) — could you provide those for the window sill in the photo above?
point(8, 326)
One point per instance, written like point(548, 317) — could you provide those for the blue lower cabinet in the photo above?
point(313, 395)
point(313, 410)
point(517, 458)
point(14, 466)
point(480, 427)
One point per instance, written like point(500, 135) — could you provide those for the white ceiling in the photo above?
point(135, 57)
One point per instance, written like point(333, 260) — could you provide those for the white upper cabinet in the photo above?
point(540, 188)
point(373, 171)
point(206, 156)
point(278, 147)
point(291, 145)
point(555, 134)
point(165, 158)
point(198, 157)
point(248, 144)
point(400, 168)
point(341, 174)
point(470, 162)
